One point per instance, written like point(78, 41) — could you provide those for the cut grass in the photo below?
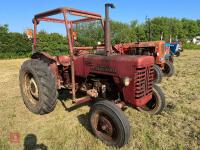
point(178, 127)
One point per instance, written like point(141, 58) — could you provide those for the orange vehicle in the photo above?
point(153, 48)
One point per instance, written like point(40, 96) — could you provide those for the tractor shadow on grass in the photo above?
point(65, 96)
point(83, 120)
point(30, 143)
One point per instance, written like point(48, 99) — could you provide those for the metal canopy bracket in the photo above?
point(87, 16)
point(69, 11)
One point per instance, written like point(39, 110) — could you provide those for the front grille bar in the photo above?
point(143, 81)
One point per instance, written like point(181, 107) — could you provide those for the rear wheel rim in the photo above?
point(31, 88)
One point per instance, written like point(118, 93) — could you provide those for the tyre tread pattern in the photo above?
point(47, 84)
point(159, 73)
point(117, 112)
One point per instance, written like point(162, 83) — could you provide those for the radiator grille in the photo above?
point(143, 81)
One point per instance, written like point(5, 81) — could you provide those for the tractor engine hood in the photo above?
point(115, 65)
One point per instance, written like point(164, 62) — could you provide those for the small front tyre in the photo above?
point(168, 69)
point(158, 74)
point(156, 104)
point(109, 123)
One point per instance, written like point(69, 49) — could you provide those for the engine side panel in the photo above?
point(138, 68)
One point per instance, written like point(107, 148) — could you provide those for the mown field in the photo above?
point(178, 127)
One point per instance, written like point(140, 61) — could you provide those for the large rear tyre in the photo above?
point(109, 123)
point(156, 104)
point(158, 74)
point(38, 87)
point(168, 69)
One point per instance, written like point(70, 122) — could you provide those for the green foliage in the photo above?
point(182, 29)
point(52, 43)
point(191, 46)
point(122, 33)
point(89, 34)
point(13, 44)
point(16, 45)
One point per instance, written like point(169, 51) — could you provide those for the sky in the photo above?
point(18, 14)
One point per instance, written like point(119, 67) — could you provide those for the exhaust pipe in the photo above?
point(107, 28)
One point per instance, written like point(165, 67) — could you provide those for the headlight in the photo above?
point(162, 59)
point(126, 81)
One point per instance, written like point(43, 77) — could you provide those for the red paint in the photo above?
point(81, 64)
point(157, 47)
point(14, 137)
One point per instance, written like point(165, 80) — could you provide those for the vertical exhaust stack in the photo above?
point(107, 28)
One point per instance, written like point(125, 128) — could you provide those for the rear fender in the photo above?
point(52, 63)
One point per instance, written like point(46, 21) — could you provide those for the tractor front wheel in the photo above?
point(168, 69)
point(156, 104)
point(109, 123)
point(38, 86)
point(158, 74)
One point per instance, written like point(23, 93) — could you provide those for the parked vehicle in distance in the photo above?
point(176, 48)
point(196, 40)
point(162, 67)
point(168, 54)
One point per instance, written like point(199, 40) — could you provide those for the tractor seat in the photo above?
point(63, 60)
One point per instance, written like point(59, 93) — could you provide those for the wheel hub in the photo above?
point(33, 88)
point(105, 125)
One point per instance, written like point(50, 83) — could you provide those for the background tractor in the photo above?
point(110, 80)
point(168, 54)
point(153, 48)
point(176, 48)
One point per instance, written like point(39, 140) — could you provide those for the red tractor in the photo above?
point(155, 49)
point(110, 81)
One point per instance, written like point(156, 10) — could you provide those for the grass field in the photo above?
point(178, 127)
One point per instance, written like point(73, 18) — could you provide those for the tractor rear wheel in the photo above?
point(109, 123)
point(158, 74)
point(168, 69)
point(38, 87)
point(156, 104)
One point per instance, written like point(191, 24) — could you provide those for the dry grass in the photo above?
point(178, 127)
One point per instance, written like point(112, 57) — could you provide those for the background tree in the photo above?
point(18, 45)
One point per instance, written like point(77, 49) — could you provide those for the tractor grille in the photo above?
point(143, 81)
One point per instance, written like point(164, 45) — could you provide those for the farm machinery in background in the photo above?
point(168, 54)
point(108, 79)
point(157, 49)
point(160, 50)
point(175, 48)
